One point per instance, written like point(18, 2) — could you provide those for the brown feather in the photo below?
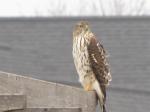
point(97, 57)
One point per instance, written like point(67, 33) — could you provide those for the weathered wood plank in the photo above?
point(10, 102)
point(47, 94)
point(48, 110)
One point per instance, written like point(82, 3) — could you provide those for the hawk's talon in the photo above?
point(88, 87)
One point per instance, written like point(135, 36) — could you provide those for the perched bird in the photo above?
point(90, 62)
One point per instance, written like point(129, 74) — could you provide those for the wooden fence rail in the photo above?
point(25, 94)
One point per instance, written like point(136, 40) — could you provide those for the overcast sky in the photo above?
point(73, 7)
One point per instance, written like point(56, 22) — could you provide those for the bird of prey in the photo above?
point(91, 62)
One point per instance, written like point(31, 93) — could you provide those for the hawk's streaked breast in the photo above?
point(81, 56)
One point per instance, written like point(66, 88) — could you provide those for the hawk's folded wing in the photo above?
point(98, 62)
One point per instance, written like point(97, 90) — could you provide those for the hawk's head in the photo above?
point(81, 28)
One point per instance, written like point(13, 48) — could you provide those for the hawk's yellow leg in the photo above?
point(88, 87)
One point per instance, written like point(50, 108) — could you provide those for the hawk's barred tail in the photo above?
point(101, 96)
point(104, 108)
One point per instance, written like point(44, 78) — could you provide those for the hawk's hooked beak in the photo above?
point(77, 30)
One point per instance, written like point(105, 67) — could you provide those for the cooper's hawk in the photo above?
point(90, 62)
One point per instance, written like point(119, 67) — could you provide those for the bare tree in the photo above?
point(139, 7)
point(121, 7)
point(95, 7)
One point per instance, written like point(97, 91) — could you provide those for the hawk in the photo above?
point(91, 62)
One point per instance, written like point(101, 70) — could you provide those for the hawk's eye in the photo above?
point(80, 26)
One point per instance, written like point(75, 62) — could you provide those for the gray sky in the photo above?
point(73, 7)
